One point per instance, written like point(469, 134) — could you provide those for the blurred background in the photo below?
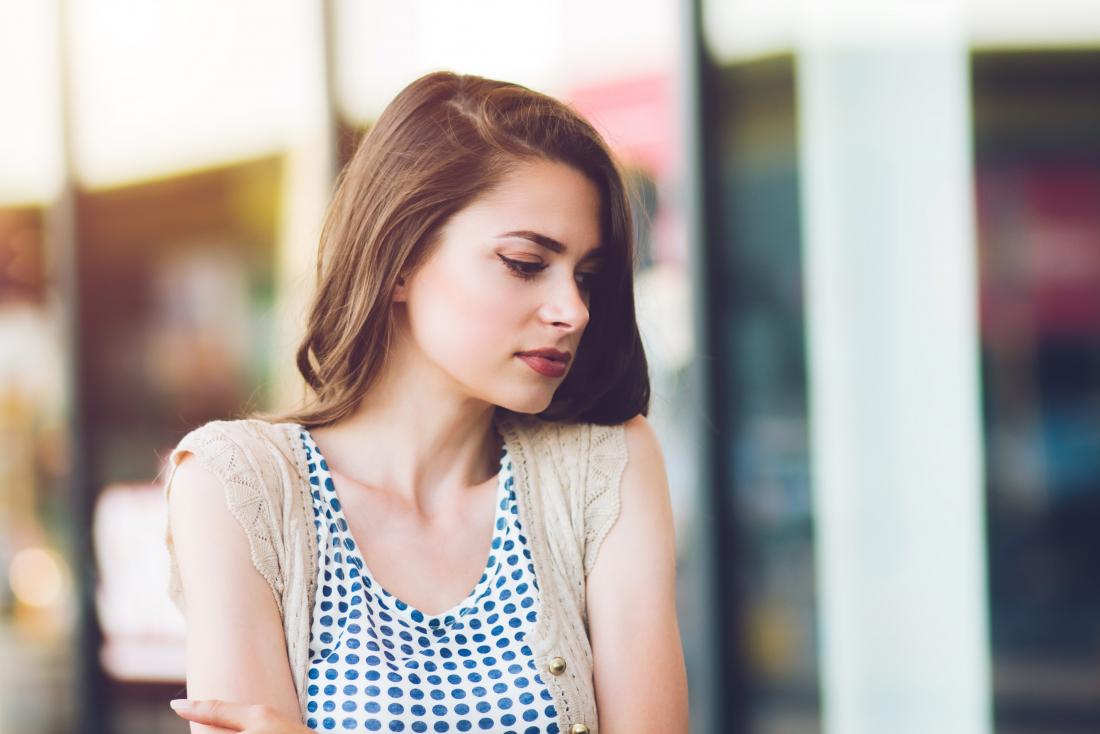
point(868, 281)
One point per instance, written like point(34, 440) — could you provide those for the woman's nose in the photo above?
point(569, 306)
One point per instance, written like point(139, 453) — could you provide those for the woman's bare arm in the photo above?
point(638, 663)
point(236, 650)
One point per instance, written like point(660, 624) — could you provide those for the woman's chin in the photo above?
point(530, 402)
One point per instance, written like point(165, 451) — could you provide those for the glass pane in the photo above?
point(1038, 197)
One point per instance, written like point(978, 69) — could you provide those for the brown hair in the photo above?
point(443, 141)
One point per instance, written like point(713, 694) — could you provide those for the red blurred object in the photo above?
point(637, 115)
point(1039, 239)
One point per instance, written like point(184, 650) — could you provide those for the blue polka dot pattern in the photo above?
point(379, 664)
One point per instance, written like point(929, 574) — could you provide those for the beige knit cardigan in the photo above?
point(566, 478)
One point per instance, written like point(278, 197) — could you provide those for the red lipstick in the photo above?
point(547, 361)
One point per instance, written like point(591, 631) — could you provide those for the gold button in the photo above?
point(557, 666)
point(578, 729)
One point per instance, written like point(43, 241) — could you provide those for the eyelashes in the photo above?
point(525, 270)
point(528, 270)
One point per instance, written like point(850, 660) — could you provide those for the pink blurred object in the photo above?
point(142, 629)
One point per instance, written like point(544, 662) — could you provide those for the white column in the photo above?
point(890, 278)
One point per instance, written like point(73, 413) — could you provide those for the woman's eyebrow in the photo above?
point(549, 242)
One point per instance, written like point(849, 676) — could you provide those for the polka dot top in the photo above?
point(378, 664)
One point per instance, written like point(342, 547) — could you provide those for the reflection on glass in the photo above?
point(769, 567)
point(1038, 192)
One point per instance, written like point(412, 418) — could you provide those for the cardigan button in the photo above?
point(557, 666)
point(578, 729)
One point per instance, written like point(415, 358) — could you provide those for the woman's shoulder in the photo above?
point(230, 484)
point(245, 452)
point(239, 429)
point(599, 450)
point(240, 434)
point(567, 433)
point(598, 443)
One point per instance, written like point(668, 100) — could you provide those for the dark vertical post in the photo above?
point(90, 705)
point(717, 689)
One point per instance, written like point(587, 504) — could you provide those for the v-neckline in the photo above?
point(388, 600)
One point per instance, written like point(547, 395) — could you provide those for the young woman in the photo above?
point(478, 391)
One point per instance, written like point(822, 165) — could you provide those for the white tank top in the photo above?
point(379, 664)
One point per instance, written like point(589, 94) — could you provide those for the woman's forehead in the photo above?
point(559, 213)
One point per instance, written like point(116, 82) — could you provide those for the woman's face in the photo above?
point(490, 290)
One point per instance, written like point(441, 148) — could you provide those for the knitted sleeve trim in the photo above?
point(222, 452)
point(607, 458)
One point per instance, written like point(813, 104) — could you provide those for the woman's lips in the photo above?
point(543, 365)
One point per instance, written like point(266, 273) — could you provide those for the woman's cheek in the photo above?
point(477, 321)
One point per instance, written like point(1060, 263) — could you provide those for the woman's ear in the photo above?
point(400, 293)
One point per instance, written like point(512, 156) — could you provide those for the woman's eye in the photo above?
point(522, 268)
point(528, 270)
